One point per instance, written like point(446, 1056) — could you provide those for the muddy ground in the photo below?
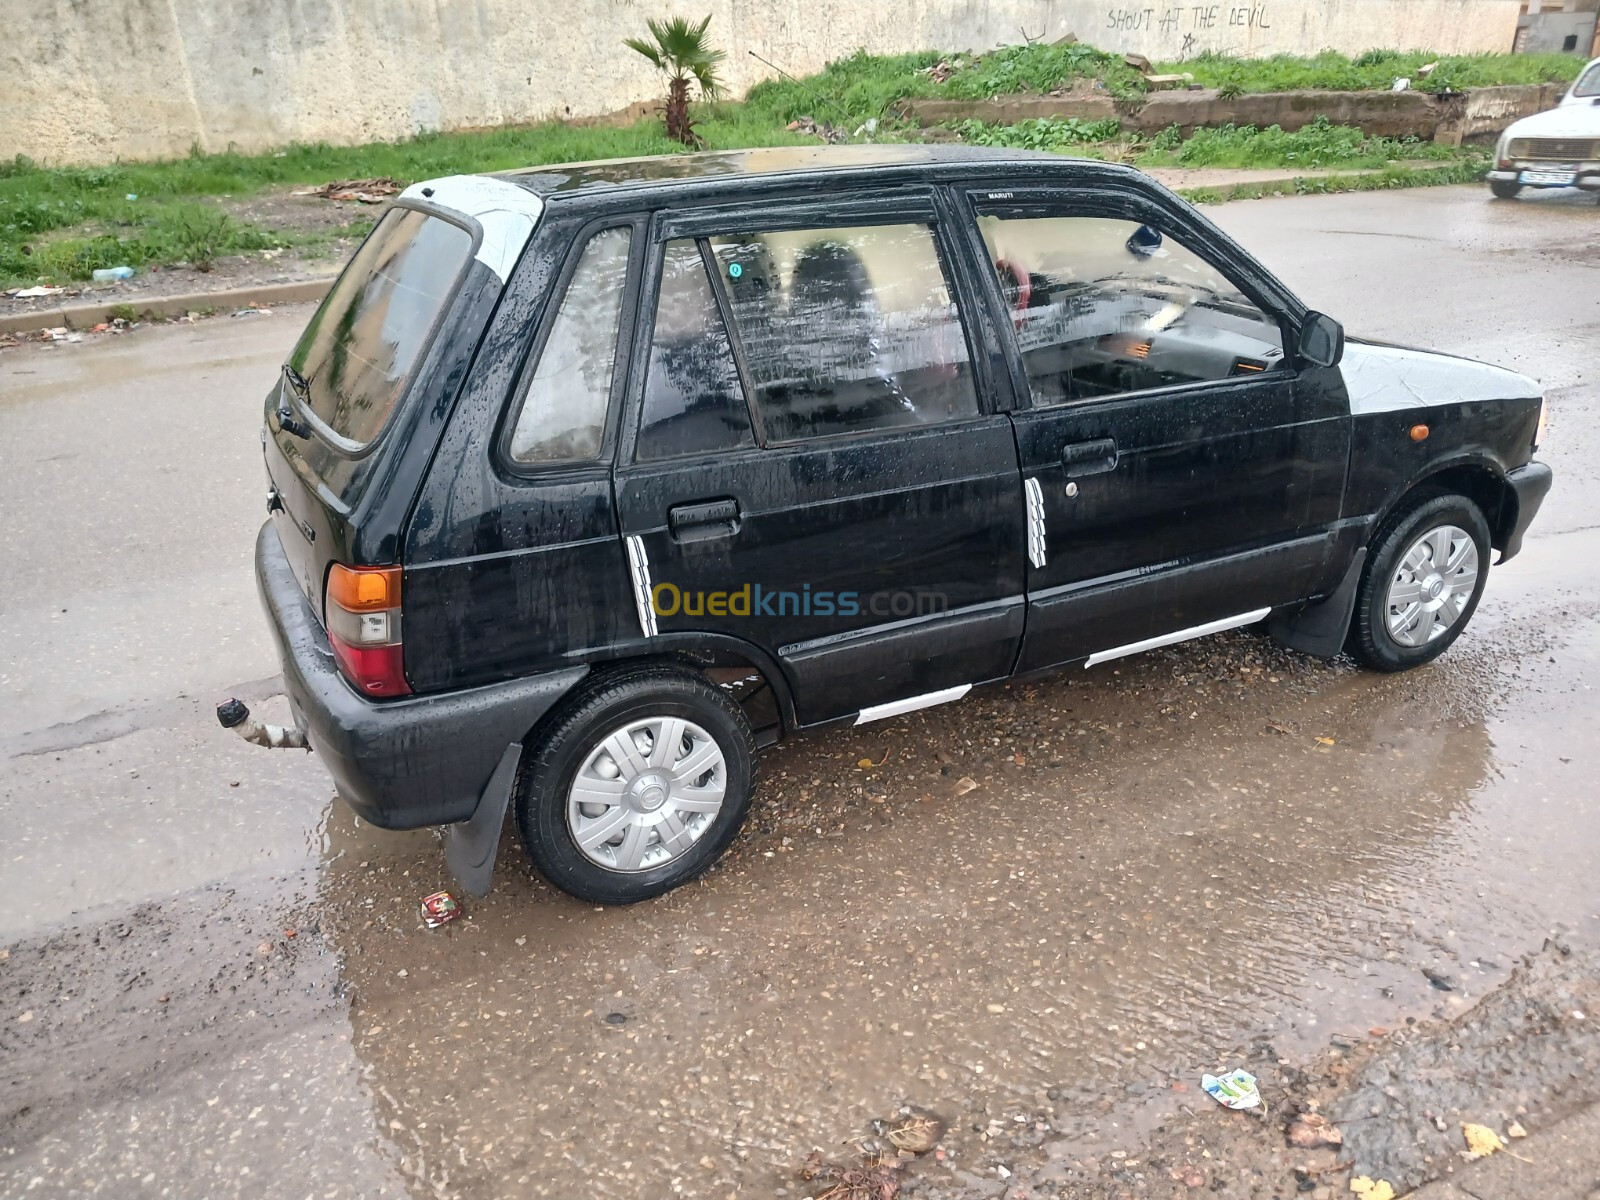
point(335, 227)
point(1041, 913)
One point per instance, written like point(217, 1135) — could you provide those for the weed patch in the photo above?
point(1376, 70)
point(1320, 144)
point(1041, 133)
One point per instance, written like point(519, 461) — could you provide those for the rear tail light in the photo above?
point(363, 614)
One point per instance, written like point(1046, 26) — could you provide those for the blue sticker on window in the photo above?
point(735, 270)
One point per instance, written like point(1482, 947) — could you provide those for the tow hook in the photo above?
point(232, 714)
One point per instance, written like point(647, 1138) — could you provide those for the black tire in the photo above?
point(605, 703)
point(1370, 640)
point(1504, 189)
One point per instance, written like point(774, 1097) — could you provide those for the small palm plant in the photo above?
point(680, 50)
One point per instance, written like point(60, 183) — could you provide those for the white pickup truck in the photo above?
point(1559, 148)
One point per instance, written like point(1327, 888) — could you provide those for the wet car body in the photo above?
point(1150, 505)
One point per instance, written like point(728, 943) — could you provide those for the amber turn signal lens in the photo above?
point(1419, 433)
point(364, 589)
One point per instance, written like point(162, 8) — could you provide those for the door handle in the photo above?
point(703, 520)
point(1089, 458)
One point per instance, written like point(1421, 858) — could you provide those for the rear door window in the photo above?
point(362, 346)
point(846, 330)
point(692, 399)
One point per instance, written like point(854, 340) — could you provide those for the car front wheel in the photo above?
point(640, 785)
point(1422, 583)
point(1504, 189)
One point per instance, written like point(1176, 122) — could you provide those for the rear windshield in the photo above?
point(364, 342)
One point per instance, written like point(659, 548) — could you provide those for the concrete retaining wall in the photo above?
point(94, 80)
point(1483, 112)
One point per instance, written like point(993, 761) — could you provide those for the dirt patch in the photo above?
point(168, 986)
point(1526, 1055)
point(280, 209)
point(235, 272)
point(334, 228)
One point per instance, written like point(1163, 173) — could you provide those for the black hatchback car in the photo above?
point(588, 481)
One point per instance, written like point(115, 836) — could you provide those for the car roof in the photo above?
point(731, 166)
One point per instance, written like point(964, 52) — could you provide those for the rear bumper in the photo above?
point(1531, 482)
point(1588, 178)
point(405, 763)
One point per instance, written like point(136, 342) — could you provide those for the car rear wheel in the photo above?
point(1504, 189)
point(1422, 583)
point(638, 786)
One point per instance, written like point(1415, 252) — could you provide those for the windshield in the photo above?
point(362, 345)
point(1589, 82)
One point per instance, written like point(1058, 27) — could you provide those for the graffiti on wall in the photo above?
point(1220, 26)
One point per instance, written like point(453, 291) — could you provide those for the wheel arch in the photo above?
point(1478, 479)
point(709, 655)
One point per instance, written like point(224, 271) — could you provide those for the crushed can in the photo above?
point(439, 909)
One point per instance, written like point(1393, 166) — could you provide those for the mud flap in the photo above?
point(1319, 629)
point(470, 845)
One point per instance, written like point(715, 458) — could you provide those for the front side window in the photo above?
point(693, 403)
point(1103, 307)
point(846, 329)
point(563, 414)
point(360, 349)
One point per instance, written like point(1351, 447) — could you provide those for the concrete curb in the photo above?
point(1476, 113)
point(1561, 1162)
point(84, 316)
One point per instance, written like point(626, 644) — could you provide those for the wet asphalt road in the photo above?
point(213, 983)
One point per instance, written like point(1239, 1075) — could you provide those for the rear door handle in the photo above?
point(704, 520)
point(1089, 458)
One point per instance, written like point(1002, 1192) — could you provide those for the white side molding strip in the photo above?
point(1181, 635)
point(1036, 544)
point(879, 712)
point(639, 565)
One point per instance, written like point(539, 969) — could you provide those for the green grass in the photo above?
point(865, 86)
point(1465, 171)
point(1320, 144)
point(1039, 133)
point(60, 224)
point(1374, 70)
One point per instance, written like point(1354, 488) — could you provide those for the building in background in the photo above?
point(1559, 27)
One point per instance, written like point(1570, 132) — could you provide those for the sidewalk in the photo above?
point(1563, 1164)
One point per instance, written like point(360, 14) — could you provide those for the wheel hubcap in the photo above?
point(1432, 586)
point(646, 793)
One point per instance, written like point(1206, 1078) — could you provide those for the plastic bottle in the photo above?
point(113, 274)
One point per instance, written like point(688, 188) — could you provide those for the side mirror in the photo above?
point(1144, 241)
point(1321, 340)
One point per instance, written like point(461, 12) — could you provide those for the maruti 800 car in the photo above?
point(587, 481)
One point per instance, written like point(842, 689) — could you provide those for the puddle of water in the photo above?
point(1140, 898)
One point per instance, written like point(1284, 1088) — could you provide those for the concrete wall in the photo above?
point(93, 80)
point(1479, 113)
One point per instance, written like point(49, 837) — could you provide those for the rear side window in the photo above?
point(563, 415)
point(692, 399)
point(361, 347)
point(846, 329)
